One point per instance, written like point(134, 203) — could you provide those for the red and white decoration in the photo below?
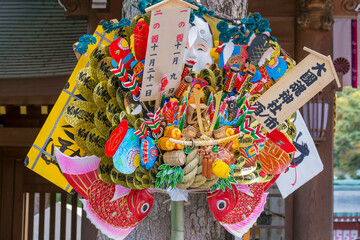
point(347, 50)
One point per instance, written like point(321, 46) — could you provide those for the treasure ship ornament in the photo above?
point(169, 104)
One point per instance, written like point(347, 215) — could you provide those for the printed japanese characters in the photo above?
point(293, 90)
point(165, 51)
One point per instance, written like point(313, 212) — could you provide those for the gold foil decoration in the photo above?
point(86, 83)
point(101, 121)
point(105, 166)
point(103, 69)
point(79, 112)
point(112, 85)
point(120, 97)
point(95, 142)
point(283, 127)
point(112, 108)
point(246, 141)
point(81, 133)
point(98, 54)
point(118, 178)
point(101, 95)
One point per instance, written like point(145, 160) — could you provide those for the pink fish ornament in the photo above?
point(238, 208)
point(113, 209)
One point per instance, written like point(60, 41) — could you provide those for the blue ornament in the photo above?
point(148, 153)
point(276, 68)
point(257, 77)
point(127, 153)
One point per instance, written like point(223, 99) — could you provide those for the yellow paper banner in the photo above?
point(56, 132)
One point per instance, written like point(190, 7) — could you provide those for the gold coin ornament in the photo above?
point(104, 170)
point(291, 131)
point(79, 112)
point(98, 54)
point(101, 95)
point(81, 133)
point(85, 83)
point(95, 142)
point(103, 69)
point(193, 124)
point(112, 108)
point(101, 121)
point(113, 85)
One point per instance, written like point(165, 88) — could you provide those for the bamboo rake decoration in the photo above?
point(197, 96)
point(205, 140)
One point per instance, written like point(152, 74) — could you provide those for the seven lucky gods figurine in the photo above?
point(180, 98)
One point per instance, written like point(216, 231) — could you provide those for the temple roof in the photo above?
point(346, 197)
point(36, 39)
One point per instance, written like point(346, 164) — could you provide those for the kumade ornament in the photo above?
point(166, 105)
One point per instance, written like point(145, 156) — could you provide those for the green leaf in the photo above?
point(177, 172)
point(182, 174)
point(182, 121)
point(158, 182)
point(241, 101)
point(221, 181)
point(163, 178)
point(232, 180)
point(187, 149)
point(222, 186)
point(163, 166)
point(215, 148)
point(171, 178)
point(241, 119)
point(172, 170)
point(211, 97)
point(217, 124)
point(227, 182)
point(232, 166)
point(159, 174)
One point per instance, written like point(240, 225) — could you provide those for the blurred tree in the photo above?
point(347, 138)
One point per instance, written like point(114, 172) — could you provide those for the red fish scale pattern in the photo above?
point(245, 205)
point(115, 213)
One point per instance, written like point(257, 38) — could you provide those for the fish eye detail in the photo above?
point(221, 205)
point(145, 207)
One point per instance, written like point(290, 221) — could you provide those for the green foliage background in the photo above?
point(347, 135)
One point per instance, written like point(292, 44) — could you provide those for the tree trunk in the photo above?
point(199, 221)
point(230, 8)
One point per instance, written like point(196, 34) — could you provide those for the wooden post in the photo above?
point(177, 220)
point(313, 202)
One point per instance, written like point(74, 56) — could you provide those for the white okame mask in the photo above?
point(198, 45)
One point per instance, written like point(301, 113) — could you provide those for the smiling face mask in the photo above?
point(198, 45)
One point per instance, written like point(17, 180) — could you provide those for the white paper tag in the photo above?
point(306, 163)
